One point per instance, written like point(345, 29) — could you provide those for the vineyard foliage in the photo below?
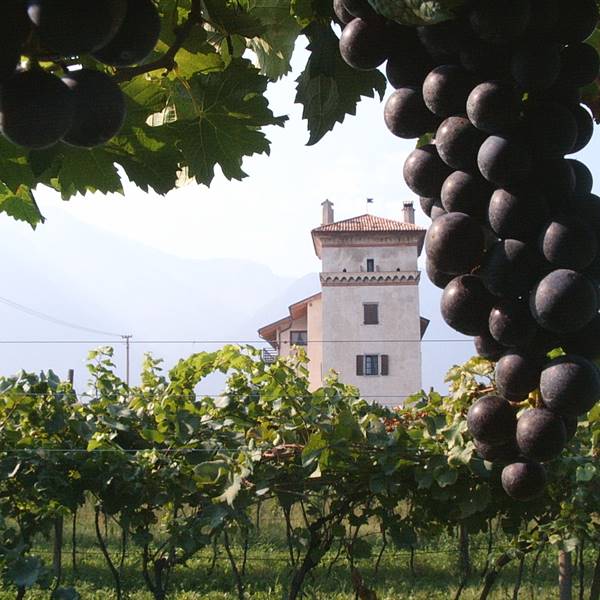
point(178, 471)
point(198, 105)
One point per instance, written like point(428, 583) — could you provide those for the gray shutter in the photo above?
point(385, 364)
point(360, 364)
point(371, 314)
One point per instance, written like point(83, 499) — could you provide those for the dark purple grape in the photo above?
point(544, 17)
point(492, 420)
point(15, 27)
point(408, 68)
point(427, 204)
point(535, 66)
point(585, 342)
point(466, 304)
point(511, 323)
point(487, 347)
point(506, 452)
point(504, 161)
point(518, 213)
point(363, 44)
point(576, 20)
point(446, 89)
point(570, 385)
point(564, 301)
point(406, 115)
point(454, 243)
point(524, 480)
point(99, 111)
point(500, 22)
point(585, 128)
point(341, 12)
point(136, 37)
point(511, 268)
point(580, 65)
point(494, 107)
point(458, 142)
point(569, 243)
point(72, 27)
point(486, 61)
point(437, 277)
point(466, 193)
point(518, 374)
point(443, 40)
point(425, 172)
point(555, 180)
point(583, 177)
point(36, 109)
point(541, 434)
point(550, 129)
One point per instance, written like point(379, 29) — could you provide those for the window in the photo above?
point(370, 265)
point(298, 338)
point(372, 364)
point(371, 314)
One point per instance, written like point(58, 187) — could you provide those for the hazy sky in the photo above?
point(267, 217)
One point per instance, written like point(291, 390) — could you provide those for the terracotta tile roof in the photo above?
point(368, 223)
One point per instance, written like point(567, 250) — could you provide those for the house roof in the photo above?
point(368, 223)
point(269, 332)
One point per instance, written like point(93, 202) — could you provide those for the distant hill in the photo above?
point(102, 281)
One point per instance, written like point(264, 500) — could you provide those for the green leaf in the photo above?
point(21, 205)
point(87, 170)
point(417, 12)
point(25, 571)
point(220, 117)
point(585, 473)
point(328, 88)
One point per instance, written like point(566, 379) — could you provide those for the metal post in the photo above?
point(127, 339)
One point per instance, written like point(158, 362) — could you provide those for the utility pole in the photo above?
point(127, 339)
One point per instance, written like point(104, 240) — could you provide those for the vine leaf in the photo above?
point(219, 122)
point(20, 205)
point(328, 88)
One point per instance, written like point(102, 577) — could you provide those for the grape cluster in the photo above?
point(515, 234)
point(84, 107)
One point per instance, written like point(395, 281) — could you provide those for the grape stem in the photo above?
point(167, 60)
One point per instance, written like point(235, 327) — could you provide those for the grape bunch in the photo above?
point(84, 106)
point(515, 233)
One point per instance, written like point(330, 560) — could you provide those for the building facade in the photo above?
point(365, 322)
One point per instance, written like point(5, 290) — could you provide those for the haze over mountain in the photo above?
point(105, 282)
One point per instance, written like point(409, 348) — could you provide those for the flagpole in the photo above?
point(369, 201)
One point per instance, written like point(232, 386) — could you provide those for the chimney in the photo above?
point(327, 212)
point(409, 213)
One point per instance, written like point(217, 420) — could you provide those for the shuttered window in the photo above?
point(385, 364)
point(371, 314)
point(372, 364)
point(360, 361)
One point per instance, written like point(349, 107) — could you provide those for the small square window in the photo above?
point(371, 314)
point(371, 364)
point(370, 265)
point(298, 338)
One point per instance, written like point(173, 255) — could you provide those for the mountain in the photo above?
point(89, 277)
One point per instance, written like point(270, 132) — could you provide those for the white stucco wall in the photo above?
point(345, 336)
point(354, 258)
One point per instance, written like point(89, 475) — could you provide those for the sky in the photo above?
point(267, 217)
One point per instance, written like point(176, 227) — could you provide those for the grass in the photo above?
point(435, 574)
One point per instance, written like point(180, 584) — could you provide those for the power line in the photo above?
point(40, 315)
point(209, 342)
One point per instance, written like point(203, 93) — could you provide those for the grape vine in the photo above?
point(495, 92)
